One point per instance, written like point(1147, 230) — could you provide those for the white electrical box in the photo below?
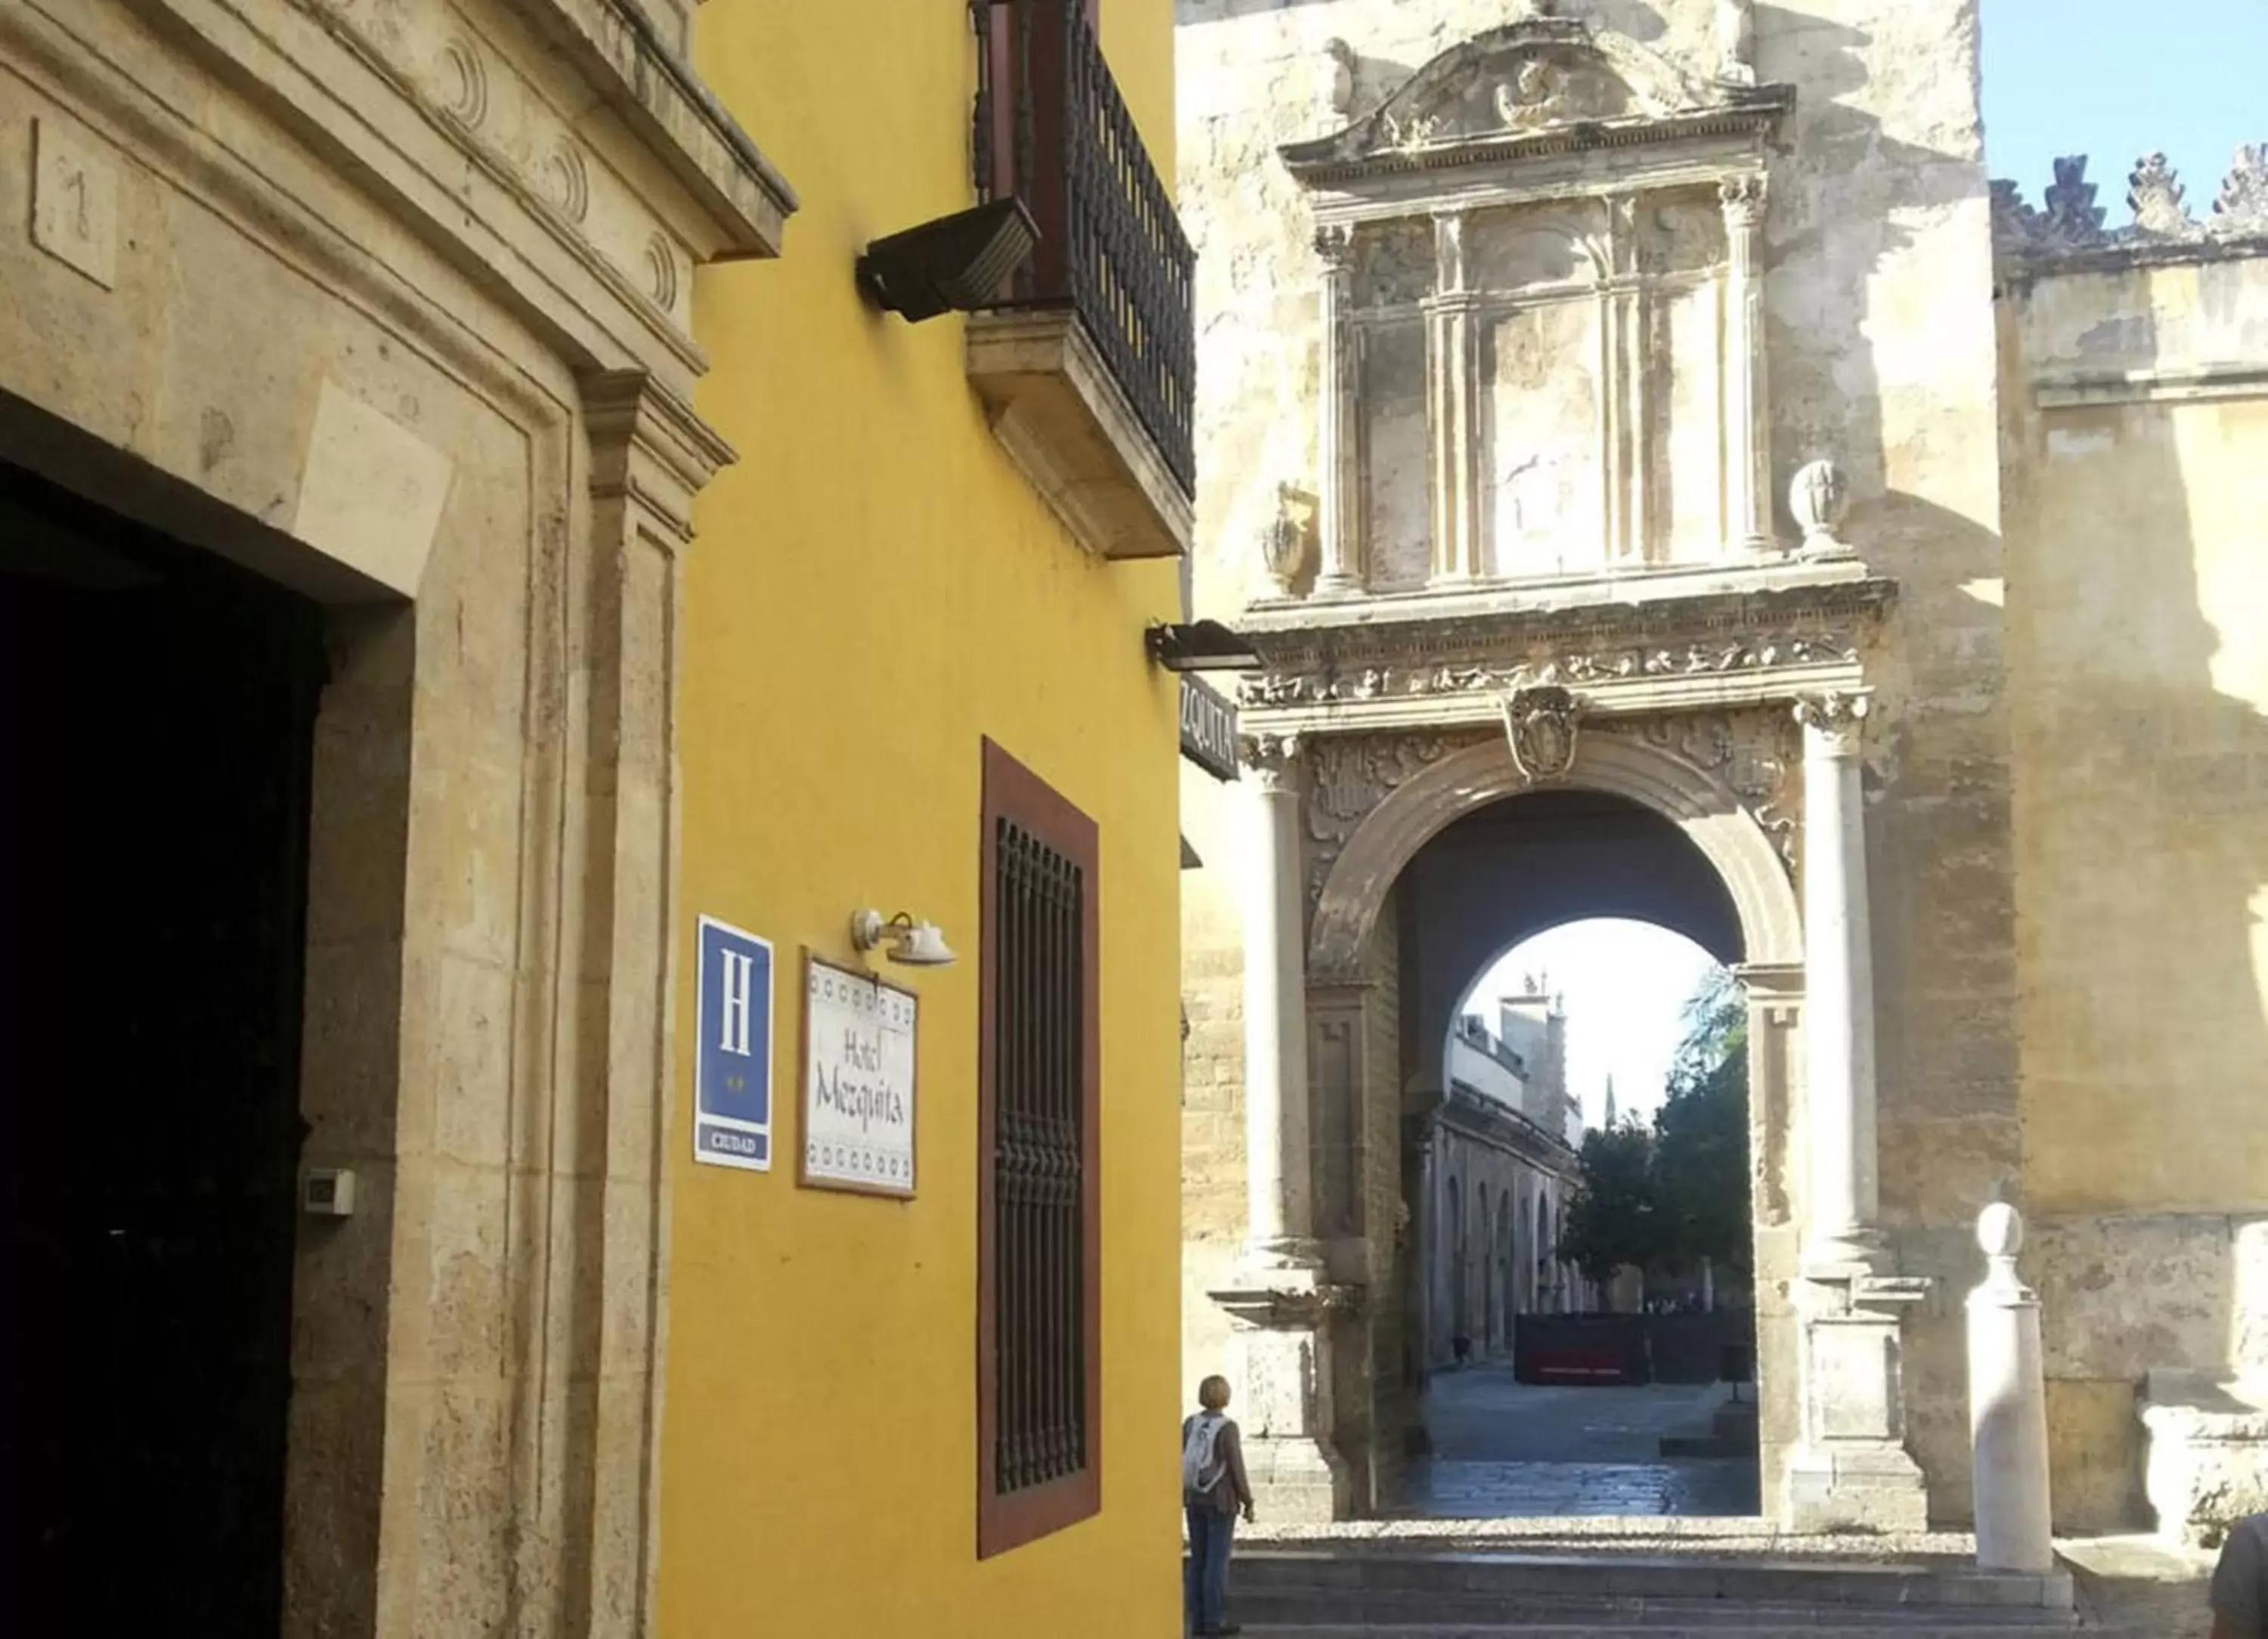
point(329, 1192)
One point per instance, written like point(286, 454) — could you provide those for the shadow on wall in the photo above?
point(2140, 791)
point(1849, 220)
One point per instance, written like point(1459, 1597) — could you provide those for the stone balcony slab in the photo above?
point(1073, 431)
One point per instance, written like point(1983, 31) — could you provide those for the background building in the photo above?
point(1662, 481)
point(1497, 1170)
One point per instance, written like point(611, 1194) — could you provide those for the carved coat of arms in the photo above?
point(1541, 723)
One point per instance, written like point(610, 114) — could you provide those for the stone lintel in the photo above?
point(1067, 424)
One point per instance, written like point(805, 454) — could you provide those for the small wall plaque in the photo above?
point(859, 1039)
point(732, 1061)
point(75, 201)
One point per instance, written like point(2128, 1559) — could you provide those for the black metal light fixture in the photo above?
point(959, 262)
point(1201, 646)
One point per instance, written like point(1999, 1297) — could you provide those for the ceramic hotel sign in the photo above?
point(858, 1037)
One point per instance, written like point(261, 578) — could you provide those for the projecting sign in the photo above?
point(733, 1070)
point(1208, 729)
point(858, 1038)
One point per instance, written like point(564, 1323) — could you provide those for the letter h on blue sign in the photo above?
point(733, 1066)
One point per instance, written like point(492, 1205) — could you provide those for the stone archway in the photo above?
point(1373, 802)
point(1734, 716)
point(1341, 814)
point(1706, 807)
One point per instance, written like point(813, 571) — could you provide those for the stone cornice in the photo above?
point(649, 446)
point(1592, 136)
point(1478, 1117)
point(1357, 668)
point(625, 57)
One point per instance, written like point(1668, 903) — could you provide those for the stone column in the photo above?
point(1838, 1025)
point(1747, 426)
point(2007, 1407)
point(1851, 1470)
point(1279, 1303)
point(1452, 408)
point(1339, 498)
point(1275, 1010)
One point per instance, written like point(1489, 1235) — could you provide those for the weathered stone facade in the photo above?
point(1631, 374)
point(393, 305)
point(2135, 408)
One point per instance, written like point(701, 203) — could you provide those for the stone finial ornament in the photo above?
point(2072, 216)
point(2000, 1234)
point(2242, 207)
point(2155, 193)
point(2072, 222)
point(1339, 72)
point(1284, 538)
point(1820, 500)
point(1736, 41)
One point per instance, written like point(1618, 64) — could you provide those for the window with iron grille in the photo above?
point(1039, 1262)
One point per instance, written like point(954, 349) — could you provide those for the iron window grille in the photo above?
point(1039, 1256)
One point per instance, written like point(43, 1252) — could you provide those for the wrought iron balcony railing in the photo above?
point(1052, 129)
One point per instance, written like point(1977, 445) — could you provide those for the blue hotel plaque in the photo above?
point(733, 1069)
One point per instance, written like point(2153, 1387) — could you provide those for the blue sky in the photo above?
point(2116, 81)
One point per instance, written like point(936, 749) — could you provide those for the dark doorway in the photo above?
point(156, 709)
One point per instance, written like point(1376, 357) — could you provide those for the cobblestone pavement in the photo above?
point(1504, 1449)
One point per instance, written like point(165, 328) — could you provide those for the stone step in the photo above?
point(1314, 1616)
point(1739, 1626)
point(1398, 1585)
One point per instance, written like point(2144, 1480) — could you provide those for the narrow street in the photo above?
point(1507, 1449)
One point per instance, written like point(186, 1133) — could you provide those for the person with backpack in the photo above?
point(2240, 1582)
point(1214, 1491)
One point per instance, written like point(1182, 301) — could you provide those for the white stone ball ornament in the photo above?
point(2000, 1230)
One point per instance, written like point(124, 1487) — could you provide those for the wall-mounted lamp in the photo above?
point(1201, 646)
point(912, 944)
point(956, 261)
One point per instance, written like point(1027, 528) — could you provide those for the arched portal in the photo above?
point(1750, 868)
point(1451, 866)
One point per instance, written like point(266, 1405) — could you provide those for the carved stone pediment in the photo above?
point(1540, 84)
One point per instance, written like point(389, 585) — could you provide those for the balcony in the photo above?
point(1088, 369)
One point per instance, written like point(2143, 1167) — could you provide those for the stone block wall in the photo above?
point(2135, 410)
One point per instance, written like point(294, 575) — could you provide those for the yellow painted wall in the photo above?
point(875, 588)
point(2138, 576)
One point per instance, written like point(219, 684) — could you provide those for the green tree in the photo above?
point(1612, 1220)
point(1700, 1158)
